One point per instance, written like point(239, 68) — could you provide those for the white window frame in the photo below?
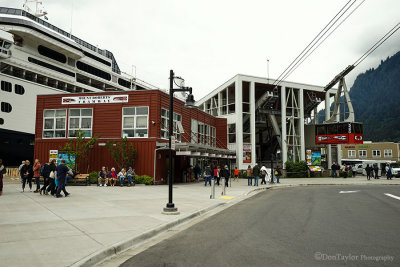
point(213, 136)
point(362, 153)
point(386, 153)
point(80, 122)
point(54, 129)
point(194, 131)
point(134, 128)
point(375, 154)
point(351, 154)
point(165, 128)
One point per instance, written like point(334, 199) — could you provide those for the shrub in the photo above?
point(93, 177)
point(296, 169)
point(144, 179)
point(349, 174)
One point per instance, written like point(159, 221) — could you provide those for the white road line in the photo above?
point(393, 196)
point(345, 192)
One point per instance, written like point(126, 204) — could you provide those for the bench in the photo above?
point(79, 178)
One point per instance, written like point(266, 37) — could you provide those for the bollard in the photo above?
point(212, 196)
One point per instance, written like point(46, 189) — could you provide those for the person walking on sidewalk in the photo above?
point(217, 174)
point(376, 170)
point(197, 172)
point(333, 168)
point(2, 172)
point(278, 173)
point(52, 178)
point(225, 174)
point(207, 175)
point(36, 174)
point(27, 174)
point(256, 174)
point(45, 173)
point(368, 170)
point(249, 174)
point(263, 174)
point(236, 174)
point(354, 170)
point(62, 171)
point(19, 169)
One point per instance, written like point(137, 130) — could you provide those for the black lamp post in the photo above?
point(170, 208)
point(272, 168)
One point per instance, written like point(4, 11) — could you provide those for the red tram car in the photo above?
point(339, 133)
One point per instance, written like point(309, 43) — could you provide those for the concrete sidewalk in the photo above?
point(95, 222)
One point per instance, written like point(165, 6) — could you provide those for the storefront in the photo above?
point(141, 117)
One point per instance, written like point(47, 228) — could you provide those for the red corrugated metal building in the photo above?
point(141, 116)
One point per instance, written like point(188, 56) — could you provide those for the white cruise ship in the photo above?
point(37, 57)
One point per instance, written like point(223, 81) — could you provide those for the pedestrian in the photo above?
point(207, 175)
point(2, 172)
point(45, 172)
point(26, 175)
point(236, 174)
point(263, 174)
point(225, 173)
point(131, 176)
point(197, 172)
point(388, 170)
point(333, 167)
point(62, 171)
point(36, 174)
point(278, 173)
point(256, 174)
point(112, 176)
point(52, 178)
point(19, 169)
point(217, 174)
point(354, 170)
point(376, 170)
point(368, 170)
point(249, 174)
point(343, 169)
point(121, 176)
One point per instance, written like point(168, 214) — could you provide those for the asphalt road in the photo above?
point(303, 226)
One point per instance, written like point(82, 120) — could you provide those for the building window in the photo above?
point(135, 122)
point(6, 107)
point(54, 125)
point(362, 154)
point(351, 154)
point(387, 153)
point(194, 133)
point(50, 53)
point(376, 153)
point(80, 119)
point(19, 89)
point(213, 136)
point(165, 125)
point(232, 133)
point(200, 131)
point(6, 86)
point(1, 121)
point(94, 71)
point(50, 66)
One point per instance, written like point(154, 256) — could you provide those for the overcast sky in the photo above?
point(208, 42)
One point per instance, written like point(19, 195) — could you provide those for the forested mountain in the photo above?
point(375, 96)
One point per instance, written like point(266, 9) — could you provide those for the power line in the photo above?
point(324, 39)
point(324, 31)
point(377, 44)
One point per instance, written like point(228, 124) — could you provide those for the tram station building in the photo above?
point(265, 121)
point(141, 116)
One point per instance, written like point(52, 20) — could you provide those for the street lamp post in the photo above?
point(170, 207)
point(272, 168)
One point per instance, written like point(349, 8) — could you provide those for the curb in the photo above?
point(119, 247)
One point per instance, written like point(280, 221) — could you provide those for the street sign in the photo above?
point(173, 141)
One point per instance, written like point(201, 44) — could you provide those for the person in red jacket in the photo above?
point(36, 174)
point(236, 174)
point(112, 176)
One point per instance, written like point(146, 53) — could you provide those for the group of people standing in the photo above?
point(215, 171)
point(256, 172)
point(54, 177)
point(106, 178)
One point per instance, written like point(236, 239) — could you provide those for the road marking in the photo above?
point(393, 196)
point(226, 197)
point(345, 192)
